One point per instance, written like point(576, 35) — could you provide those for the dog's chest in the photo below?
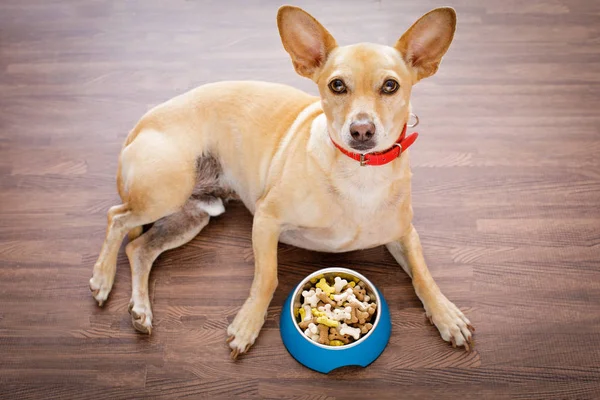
point(360, 214)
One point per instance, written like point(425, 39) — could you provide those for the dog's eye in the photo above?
point(337, 86)
point(390, 86)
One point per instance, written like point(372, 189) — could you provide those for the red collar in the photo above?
point(383, 157)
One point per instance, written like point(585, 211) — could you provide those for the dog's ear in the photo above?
point(305, 39)
point(425, 43)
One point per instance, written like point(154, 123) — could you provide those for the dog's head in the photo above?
point(365, 88)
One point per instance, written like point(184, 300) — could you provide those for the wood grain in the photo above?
point(506, 198)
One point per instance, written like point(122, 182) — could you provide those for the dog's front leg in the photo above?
point(450, 321)
point(244, 329)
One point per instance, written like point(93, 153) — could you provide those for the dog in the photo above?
point(328, 173)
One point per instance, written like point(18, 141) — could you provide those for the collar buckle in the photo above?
point(400, 147)
point(363, 160)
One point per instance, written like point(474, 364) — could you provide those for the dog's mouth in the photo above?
point(361, 146)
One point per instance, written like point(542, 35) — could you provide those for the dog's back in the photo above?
point(212, 120)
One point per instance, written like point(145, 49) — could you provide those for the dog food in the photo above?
point(336, 313)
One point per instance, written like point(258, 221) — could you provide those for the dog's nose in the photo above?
point(362, 130)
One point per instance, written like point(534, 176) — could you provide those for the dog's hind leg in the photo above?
point(166, 234)
point(121, 219)
point(173, 231)
point(157, 179)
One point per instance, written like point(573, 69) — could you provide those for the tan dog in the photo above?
point(272, 146)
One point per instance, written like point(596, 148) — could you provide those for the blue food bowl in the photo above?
point(324, 358)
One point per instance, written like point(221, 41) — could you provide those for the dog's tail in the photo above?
point(135, 233)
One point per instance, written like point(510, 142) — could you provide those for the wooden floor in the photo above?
point(506, 198)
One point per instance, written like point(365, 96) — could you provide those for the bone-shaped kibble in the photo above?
point(326, 321)
point(353, 301)
point(306, 316)
point(353, 319)
point(310, 297)
point(318, 313)
point(324, 298)
point(327, 310)
point(366, 328)
point(306, 310)
point(323, 334)
point(340, 298)
point(342, 314)
point(372, 307)
point(325, 287)
point(322, 318)
point(335, 335)
point(348, 330)
point(312, 332)
point(305, 323)
point(339, 284)
point(359, 292)
point(337, 314)
point(362, 316)
point(351, 284)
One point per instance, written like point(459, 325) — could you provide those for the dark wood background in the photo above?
point(506, 198)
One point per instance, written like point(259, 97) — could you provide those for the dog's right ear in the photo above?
point(305, 39)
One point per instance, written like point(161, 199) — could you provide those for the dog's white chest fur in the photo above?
point(359, 219)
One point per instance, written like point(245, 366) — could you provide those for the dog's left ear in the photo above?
point(425, 43)
point(305, 39)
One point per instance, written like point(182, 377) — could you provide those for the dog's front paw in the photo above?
point(101, 284)
point(451, 322)
point(245, 328)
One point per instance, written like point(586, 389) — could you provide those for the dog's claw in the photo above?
point(100, 286)
point(234, 354)
point(137, 316)
point(453, 342)
point(471, 328)
point(430, 319)
point(139, 326)
point(229, 339)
